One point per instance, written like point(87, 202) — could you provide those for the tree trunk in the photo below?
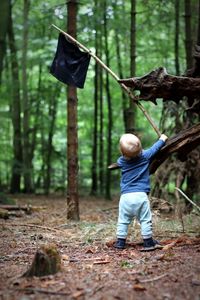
point(188, 34)
point(95, 128)
point(110, 122)
point(198, 29)
point(72, 134)
point(27, 167)
point(119, 65)
point(101, 128)
point(4, 22)
point(131, 111)
point(52, 116)
point(16, 111)
point(192, 164)
point(176, 40)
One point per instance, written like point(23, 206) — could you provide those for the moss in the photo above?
point(6, 200)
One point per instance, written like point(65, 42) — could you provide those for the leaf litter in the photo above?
point(91, 267)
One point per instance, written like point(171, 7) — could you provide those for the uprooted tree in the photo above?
point(158, 84)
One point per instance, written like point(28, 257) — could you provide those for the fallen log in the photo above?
point(26, 208)
point(181, 144)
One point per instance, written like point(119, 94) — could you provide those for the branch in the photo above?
point(181, 144)
point(186, 197)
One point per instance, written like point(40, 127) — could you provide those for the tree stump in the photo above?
point(47, 261)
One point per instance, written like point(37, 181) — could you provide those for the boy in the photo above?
point(135, 186)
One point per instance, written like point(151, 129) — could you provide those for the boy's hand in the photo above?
point(163, 137)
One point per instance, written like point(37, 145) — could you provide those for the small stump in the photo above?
point(47, 261)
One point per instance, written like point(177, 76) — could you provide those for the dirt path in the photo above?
point(91, 267)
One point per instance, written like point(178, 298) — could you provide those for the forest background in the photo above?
point(132, 38)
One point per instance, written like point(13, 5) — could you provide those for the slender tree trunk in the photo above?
point(27, 167)
point(101, 129)
point(198, 29)
point(188, 34)
point(4, 22)
point(95, 128)
point(176, 40)
point(16, 111)
point(52, 115)
point(110, 122)
point(131, 111)
point(72, 134)
point(119, 65)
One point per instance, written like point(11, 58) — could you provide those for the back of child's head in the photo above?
point(130, 145)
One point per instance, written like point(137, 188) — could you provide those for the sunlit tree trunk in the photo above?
point(27, 163)
point(16, 110)
point(4, 21)
point(72, 132)
point(110, 122)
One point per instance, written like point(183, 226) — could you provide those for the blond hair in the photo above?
point(130, 145)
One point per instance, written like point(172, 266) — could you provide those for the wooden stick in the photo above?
point(188, 198)
point(134, 98)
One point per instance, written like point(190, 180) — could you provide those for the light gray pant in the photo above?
point(133, 205)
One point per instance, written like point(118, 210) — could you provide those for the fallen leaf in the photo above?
point(90, 251)
point(65, 257)
point(169, 246)
point(78, 294)
point(139, 287)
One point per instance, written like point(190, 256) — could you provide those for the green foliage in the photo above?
point(155, 47)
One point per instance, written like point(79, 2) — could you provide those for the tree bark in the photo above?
point(101, 128)
point(110, 121)
point(159, 84)
point(27, 163)
point(16, 111)
point(131, 111)
point(95, 128)
point(176, 40)
point(52, 115)
point(72, 132)
point(188, 34)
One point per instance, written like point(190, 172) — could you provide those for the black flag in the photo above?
point(70, 65)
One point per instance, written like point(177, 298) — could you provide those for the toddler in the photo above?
point(135, 187)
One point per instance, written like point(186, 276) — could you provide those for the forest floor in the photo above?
point(91, 267)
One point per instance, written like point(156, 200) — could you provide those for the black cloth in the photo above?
point(70, 64)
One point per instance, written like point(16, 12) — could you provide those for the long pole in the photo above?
point(140, 106)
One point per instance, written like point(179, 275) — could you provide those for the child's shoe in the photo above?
point(120, 243)
point(150, 245)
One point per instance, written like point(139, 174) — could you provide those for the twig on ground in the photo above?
point(29, 225)
point(43, 291)
point(153, 279)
